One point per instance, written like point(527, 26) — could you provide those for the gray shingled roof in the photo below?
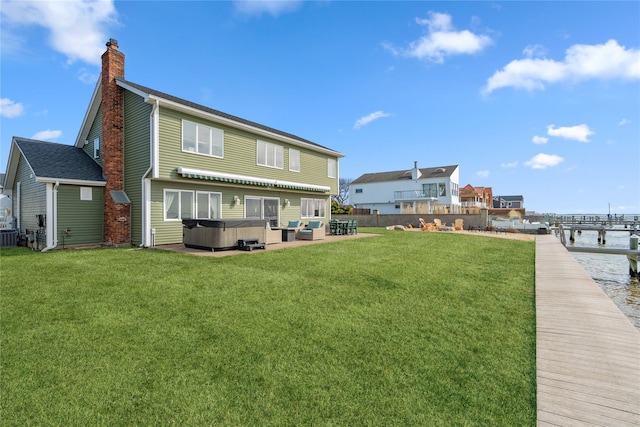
point(437, 172)
point(59, 161)
point(175, 99)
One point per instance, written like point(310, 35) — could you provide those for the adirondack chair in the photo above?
point(457, 225)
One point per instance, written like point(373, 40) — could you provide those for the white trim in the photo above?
point(71, 181)
point(146, 212)
point(155, 140)
point(17, 207)
point(51, 220)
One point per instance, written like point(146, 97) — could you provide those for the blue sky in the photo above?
point(540, 99)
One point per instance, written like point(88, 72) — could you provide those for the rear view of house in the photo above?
point(145, 160)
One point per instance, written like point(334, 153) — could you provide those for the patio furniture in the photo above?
point(273, 235)
point(352, 226)
point(457, 224)
point(314, 231)
point(426, 226)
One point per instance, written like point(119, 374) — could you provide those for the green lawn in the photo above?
point(403, 329)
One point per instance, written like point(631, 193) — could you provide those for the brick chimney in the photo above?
point(117, 215)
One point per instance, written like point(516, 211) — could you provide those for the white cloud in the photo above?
point(10, 109)
point(482, 174)
point(543, 161)
point(47, 135)
point(76, 28)
point(272, 7)
point(441, 41)
point(624, 122)
point(539, 139)
point(509, 165)
point(579, 133)
point(363, 121)
point(581, 62)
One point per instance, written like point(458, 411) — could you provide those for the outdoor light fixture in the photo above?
point(236, 200)
point(287, 202)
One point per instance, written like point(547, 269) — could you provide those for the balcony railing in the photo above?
point(412, 195)
point(473, 204)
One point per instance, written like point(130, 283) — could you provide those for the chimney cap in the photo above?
point(112, 43)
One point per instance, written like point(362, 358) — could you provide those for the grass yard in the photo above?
point(403, 329)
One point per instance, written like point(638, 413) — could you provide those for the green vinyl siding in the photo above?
point(137, 154)
point(81, 218)
point(239, 154)
point(33, 197)
point(95, 132)
point(169, 232)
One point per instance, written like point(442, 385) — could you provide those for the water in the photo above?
point(611, 272)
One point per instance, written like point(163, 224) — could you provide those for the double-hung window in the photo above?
point(312, 208)
point(201, 139)
point(178, 204)
point(270, 155)
point(294, 160)
point(332, 168)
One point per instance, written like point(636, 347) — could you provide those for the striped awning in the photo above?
point(249, 180)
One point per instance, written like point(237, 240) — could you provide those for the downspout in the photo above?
point(52, 220)
point(146, 182)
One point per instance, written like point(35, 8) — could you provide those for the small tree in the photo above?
point(342, 198)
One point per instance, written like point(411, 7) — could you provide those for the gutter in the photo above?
point(146, 183)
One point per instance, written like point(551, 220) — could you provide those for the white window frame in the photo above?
point(214, 136)
point(294, 160)
point(332, 168)
point(313, 208)
point(96, 148)
point(442, 189)
point(269, 155)
point(218, 202)
point(179, 200)
point(433, 189)
point(262, 208)
point(86, 194)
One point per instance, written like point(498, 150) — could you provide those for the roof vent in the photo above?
point(439, 170)
point(113, 44)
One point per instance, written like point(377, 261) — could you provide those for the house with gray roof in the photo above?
point(145, 160)
point(433, 190)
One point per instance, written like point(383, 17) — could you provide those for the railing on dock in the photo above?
point(632, 253)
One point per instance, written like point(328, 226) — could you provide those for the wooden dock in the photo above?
point(587, 351)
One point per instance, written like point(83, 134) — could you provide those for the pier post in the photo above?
point(572, 235)
point(633, 259)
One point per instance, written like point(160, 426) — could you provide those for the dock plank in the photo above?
point(587, 351)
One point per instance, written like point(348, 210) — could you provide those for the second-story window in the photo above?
point(442, 189)
point(294, 160)
point(269, 154)
point(430, 190)
point(201, 139)
point(96, 148)
point(332, 167)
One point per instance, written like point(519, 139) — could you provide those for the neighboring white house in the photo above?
point(413, 191)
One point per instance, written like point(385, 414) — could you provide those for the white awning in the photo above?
point(250, 180)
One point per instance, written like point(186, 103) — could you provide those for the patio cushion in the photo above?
point(314, 224)
point(294, 224)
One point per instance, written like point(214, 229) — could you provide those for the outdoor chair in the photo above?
point(438, 223)
point(273, 236)
point(314, 231)
point(457, 224)
point(352, 226)
point(426, 226)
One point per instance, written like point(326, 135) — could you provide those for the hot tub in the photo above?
point(221, 234)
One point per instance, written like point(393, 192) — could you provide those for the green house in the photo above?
point(158, 159)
